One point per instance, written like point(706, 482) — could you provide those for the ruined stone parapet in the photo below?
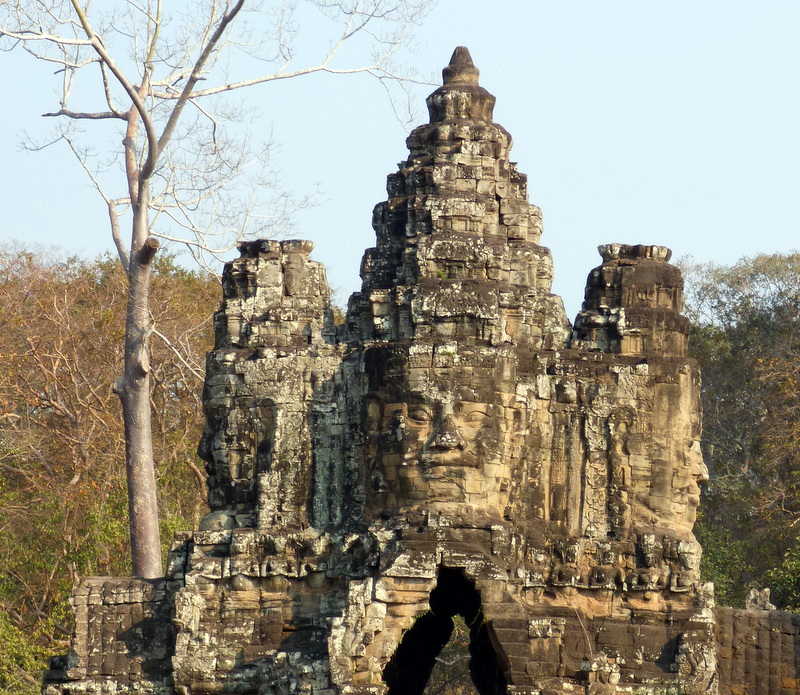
point(757, 651)
point(123, 640)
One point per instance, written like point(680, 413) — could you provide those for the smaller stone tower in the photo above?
point(273, 350)
point(633, 304)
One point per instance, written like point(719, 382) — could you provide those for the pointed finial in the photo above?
point(461, 69)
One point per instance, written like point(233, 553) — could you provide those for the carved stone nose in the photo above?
point(446, 437)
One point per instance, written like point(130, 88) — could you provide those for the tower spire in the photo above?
point(461, 69)
point(460, 97)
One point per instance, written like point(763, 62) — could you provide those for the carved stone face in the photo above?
point(676, 468)
point(444, 429)
point(689, 554)
point(690, 472)
point(445, 435)
point(698, 474)
point(237, 445)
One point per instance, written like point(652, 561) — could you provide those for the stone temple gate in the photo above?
point(457, 447)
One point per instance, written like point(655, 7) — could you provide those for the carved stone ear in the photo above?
point(264, 414)
point(520, 421)
point(373, 409)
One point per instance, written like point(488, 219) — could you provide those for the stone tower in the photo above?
point(455, 448)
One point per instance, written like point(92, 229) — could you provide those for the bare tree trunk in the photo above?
point(143, 107)
point(134, 392)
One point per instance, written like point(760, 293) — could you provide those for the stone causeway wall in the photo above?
point(456, 447)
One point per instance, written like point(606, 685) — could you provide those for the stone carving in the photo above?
point(455, 448)
point(758, 599)
point(444, 439)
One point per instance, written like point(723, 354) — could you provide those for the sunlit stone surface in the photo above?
point(455, 447)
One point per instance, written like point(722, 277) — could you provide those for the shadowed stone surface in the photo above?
point(455, 448)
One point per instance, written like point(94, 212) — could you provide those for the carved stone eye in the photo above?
point(420, 415)
point(476, 418)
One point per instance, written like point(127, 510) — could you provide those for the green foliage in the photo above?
point(785, 580)
point(22, 659)
point(63, 500)
point(725, 559)
point(450, 675)
point(746, 338)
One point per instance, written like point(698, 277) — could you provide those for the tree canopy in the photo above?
point(746, 335)
point(63, 506)
point(159, 74)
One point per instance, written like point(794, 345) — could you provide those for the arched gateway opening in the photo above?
point(412, 664)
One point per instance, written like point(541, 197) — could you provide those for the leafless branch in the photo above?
point(26, 36)
point(80, 115)
point(200, 375)
point(141, 107)
point(188, 89)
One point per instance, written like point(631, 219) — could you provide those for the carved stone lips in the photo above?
point(454, 458)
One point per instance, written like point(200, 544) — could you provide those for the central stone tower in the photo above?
point(455, 447)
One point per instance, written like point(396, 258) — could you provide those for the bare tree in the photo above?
point(161, 72)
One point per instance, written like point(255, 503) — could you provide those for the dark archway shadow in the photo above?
point(412, 664)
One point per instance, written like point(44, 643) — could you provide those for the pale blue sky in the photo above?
point(672, 123)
